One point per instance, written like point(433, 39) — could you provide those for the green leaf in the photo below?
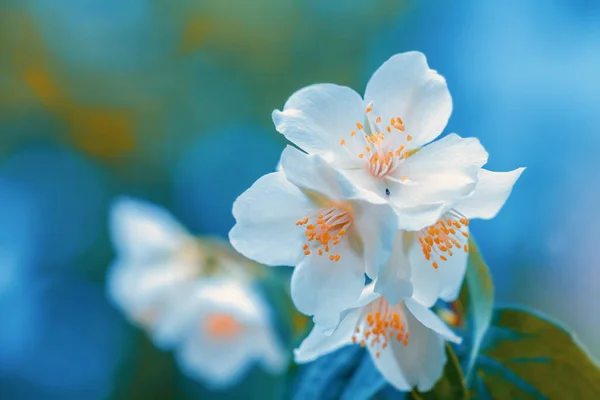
point(450, 386)
point(475, 305)
point(528, 356)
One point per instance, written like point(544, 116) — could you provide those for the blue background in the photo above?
point(171, 102)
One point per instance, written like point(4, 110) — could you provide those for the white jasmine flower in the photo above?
point(434, 259)
point(380, 143)
point(309, 216)
point(405, 340)
point(156, 260)
point(221, 331)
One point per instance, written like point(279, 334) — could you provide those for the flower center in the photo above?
point(382, 324)
point(438, 240)
point(325, 230)
point(381, 155)
point(222, 326)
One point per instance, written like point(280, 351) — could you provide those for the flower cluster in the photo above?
point(194, 297)
point(373, 212)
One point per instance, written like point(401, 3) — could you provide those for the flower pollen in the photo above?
point(326, 230)
point(438, 240)
point(381, 324)
point(382, 156)
point(222, 326)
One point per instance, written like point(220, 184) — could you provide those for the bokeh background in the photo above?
point(171, 101)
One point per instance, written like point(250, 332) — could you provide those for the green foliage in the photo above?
point(475, 304)
point(528, 356)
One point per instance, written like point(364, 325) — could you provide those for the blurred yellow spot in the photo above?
point(299, 322)
point(101, 133)
point(194, 33)
point(42, 84)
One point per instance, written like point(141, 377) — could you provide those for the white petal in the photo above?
point(405, 87)
point(431, 320)
point(393, 281)
point(178, 317)
point(313, 173)
point(319, 342)
point(317, 117)
point(376, 225)
point(218, 364)
point(369, 188)
point(431, 283)
point(420, 363)
point(415, 218)
point(140, 230)
point(144, 290)
point(222, 361)
point(323, 287)
point(273, 356)
point(266, 216)
point(491, 192)
point(441, 172)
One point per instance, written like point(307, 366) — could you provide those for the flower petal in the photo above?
point(441, 172)
point(218, 364)
point(404, 86)
point(414, 218)
point(320, 342)
point(266, 216)
point(393, 281)
point(273, 356)
point(324, 288)
point(376, 225)
point(140, 230)
point(431, 283)
point(144, 291)
point(316, 118)
point(420, 363)
point(313, 174)
point(491, 192)
point(431, 321)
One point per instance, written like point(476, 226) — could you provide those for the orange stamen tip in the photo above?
point(359, 126)
point(409, 138)
point(352, 133)
point(378, 119)
point(342, 142)
point(435, 265)
point(306, 252)
point(361, 155)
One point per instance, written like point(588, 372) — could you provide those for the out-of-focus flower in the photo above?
point(384, 329)
point(434, 259)
point(379, 143)
point(220, 331)
point(156, 262)
point(194, 296)
point(309, 216)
